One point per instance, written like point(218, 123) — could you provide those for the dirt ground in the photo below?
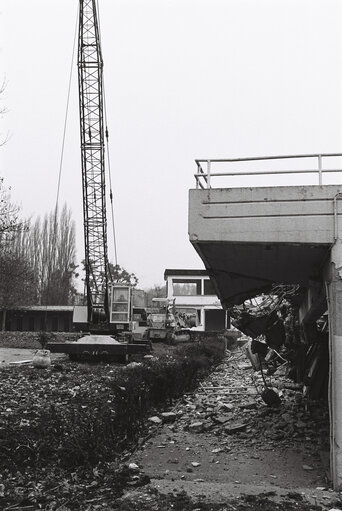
point(11, 355)
point(222, 448)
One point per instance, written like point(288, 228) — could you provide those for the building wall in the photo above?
point(26, 320)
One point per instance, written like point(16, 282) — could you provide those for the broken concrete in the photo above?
point(256, 449)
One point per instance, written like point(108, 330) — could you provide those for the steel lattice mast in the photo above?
point(90, 71)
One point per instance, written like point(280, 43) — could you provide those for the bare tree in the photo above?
point(17, 283)
point(16, 276)
point(3, 110)
point(48, 247)
point(58, 256)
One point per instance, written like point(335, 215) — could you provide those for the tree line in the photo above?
point(37, 258)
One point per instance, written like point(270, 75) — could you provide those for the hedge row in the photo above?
point(93, 413)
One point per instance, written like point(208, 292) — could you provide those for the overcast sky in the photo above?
point(184, 79)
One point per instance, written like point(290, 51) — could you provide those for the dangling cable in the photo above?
point(61, 162)
point(110, 181)
point(66, 114)
point(108, 155)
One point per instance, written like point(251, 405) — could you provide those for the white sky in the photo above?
point(184, 79)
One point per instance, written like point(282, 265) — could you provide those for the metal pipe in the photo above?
point(320, 169)
point(267, 172)
point(208, 173)
point(257, 158)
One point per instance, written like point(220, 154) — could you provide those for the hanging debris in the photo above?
point(266, 315)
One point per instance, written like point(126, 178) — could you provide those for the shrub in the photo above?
point(93, 415)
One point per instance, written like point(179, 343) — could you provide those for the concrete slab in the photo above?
point(252, 238)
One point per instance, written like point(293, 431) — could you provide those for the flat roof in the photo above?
point(180, 272)
point(56, 308)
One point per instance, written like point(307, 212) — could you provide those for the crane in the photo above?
point(108, 304)
point(90, 83)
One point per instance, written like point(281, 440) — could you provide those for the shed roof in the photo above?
point(178, 272)
point(43, 308)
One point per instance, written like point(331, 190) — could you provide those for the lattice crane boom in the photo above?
point(90, 81)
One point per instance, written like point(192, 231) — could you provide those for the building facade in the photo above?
point(35, 318)
point(192, 291)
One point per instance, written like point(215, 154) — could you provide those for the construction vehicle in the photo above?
point(108, 312)
point(165, 323)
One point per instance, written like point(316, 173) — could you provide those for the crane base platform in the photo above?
point(99, 345)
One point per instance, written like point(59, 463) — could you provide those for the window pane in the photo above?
point(209, 288)
point(120, 295)
point(119, 307)
point(118, 316)
point(186, 287)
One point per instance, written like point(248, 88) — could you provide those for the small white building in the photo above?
point(193, 290)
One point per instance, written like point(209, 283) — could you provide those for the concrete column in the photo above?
point(335, 384)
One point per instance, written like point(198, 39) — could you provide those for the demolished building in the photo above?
point(254, 238)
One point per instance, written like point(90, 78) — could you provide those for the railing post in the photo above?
point(208, 173)
point(319, 169)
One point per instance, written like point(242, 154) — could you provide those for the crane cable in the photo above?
point(110, 179)
point(61, 161)
point(66, 113)
point(107, 146)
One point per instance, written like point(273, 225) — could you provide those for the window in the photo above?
point(20, 324)
point(186, 287)
point(42, 323)
point(54, 324)
point(120, 304)
point(209, 288)
point(66, 326)
point(31, 324)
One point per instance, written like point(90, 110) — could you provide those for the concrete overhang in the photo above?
point(251, 238)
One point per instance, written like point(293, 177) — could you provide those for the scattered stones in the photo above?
point(248, 405)
point(235, 428)
point(222, 419)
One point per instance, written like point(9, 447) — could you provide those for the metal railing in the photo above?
point(204, 178)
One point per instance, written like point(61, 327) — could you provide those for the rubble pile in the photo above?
point(229, 404)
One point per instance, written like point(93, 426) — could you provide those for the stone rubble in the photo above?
point(229, 404)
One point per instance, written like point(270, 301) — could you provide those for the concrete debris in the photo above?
point(222, 419)
point(132, 365)
point(133, 467)
point(196, 427)
point(155, 420)
point(169, 416)
point(235, 428)
point(20, 362)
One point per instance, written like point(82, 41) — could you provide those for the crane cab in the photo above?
point(120, 307)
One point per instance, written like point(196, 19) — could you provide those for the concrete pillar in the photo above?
point(335, 383)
